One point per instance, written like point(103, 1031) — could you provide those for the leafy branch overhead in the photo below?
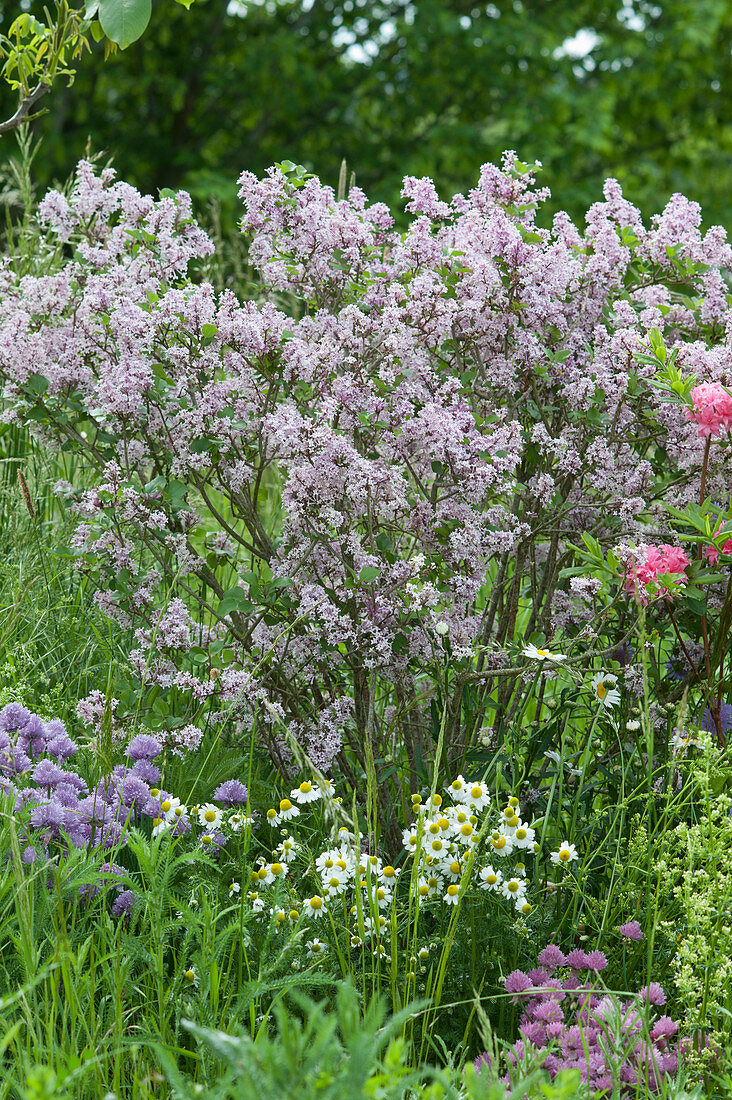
point(35, 53)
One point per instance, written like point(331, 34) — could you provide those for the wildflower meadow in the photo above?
point(365, 643)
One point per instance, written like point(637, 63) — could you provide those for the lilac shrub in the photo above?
point(325, 519)
point(570, 1021)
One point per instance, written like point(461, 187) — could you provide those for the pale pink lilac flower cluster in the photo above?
point(570, 1021)
point(402, 407)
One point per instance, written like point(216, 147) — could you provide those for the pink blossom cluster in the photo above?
point(647, 569)
point(570, 1021)
point(440, 408)
point(711, 409)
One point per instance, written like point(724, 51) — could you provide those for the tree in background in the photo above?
point(637, 90)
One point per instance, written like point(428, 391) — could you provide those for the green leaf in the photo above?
point(36, 383)
point(123, 21)
point(369, 573)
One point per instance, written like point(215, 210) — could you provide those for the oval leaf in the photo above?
point(123, 21)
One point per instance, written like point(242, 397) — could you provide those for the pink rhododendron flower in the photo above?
point(641, 574)
point(711, 409)
point(712, 553)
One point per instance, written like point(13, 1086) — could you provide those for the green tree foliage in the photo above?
point(633, 88)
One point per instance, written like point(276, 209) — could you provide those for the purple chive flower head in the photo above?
point(577, 959)
point(231, 793)
point(147, 771)
point(124, 903)
point(596, 961)
point(144, 747)
point(653, 994)
point(47, 774)
point(13, 718)
point(551, 957)
point(517, 982)
point(631, 931)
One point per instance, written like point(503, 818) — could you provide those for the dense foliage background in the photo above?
point(636, 90)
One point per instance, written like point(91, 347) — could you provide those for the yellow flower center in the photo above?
point(305, 788)
point(434, 828)
point(491, 879)
point(476, 792)
point(513, 885)
point(388, 871)
point(329, 863)
point(452, 891)
point(424, 890)
point(276, 868)
point(293, 914)
point(285, 805)
point(334, 882)
point(601, 691)
point(455, 868)
point(341, 863)
point(381, 894)
point(262, 874)
point(271, 814)
point(209, 815)
point(206, 840)
point(165, 806)
point(513, 802)
point(316, 903)
point(521, 834)
point(443, 823)
point(499, 842)
point(466, 829)
point(189, 976)
point(526, 908)
point(456, 785)
point(565, 855)
point(436, 845)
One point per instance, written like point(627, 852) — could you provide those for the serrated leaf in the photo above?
point(124, 21)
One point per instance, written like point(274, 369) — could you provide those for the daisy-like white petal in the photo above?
point(542, 654)
point(604, 690)
point(565, 853)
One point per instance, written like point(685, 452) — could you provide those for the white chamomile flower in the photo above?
point(210, 817)
point(542, 654)
point(273, 817)
point(190, 976)
point(287, 810)
point(287, 850)
point(160, 826)
point(314, 907)
point(633, 726)
point(168, 809)
point(458, 788)
point(306, 792)
point(478, 795)
point(234, 888)
point(428, 887)
point(452, 870)
point(565, 853)
point(490, 879)
point(316, 948)
point(378, 926)
point(603, 687)
point(256, 902)
point(239, 821)
point(524, 836)
point(273, 872)
point(513, 888)
point(335, 881)
point(502, 842)
point(409, 839)
point(382, 897)
point(451, 895)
